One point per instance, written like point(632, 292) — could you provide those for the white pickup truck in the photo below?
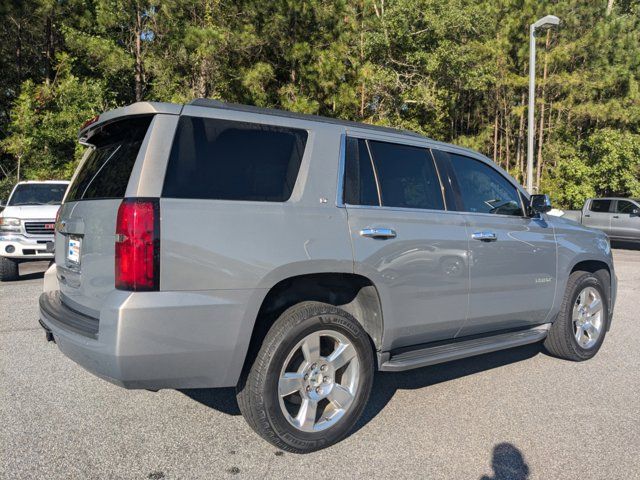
point(27, 224)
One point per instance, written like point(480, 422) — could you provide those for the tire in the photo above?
point(8, 269)
point(286, 348)
point(562, 340)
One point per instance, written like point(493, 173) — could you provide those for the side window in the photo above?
point(625, 207)
point(406, 175)
point(227, 160)
point(600, 206)
point(485, 190)
point(359, 183)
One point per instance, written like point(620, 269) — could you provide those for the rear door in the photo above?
point(512, 256)
point(598, 214)
point(85, 238)
point(405, 240)
point(625, 221)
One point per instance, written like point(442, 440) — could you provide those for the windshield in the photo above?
point(37, 194)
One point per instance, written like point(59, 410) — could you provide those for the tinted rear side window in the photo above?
point(106, 171)
point(226, 160)
point(407, 176)
point(360, 183)
point(600, 205)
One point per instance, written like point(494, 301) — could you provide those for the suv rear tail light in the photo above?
point(138, 245)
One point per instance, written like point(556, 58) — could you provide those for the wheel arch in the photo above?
point(356, 294)
point(602, 270)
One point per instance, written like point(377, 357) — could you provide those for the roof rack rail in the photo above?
point(205, 102)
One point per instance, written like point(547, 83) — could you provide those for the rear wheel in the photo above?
point(311, 379)
point(8, 269)
point(580, 328)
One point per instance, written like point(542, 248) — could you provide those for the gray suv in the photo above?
point(292, 256)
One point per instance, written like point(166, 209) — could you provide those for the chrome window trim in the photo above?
point(424, 210)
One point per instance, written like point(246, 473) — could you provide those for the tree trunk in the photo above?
point(138, 57)
point(48, 51)
point(495, 138)
point(19, 51)
point(520, 140)
point(542, 113)
point(609, 7)
point(362, 93)
point(507, 136)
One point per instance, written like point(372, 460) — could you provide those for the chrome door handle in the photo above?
point(616, 216)
point(378, 233)
point(485, 236)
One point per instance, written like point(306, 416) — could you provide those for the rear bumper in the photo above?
point(156, 340)
point(26, 248)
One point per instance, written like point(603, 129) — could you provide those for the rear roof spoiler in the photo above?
point(139, 108)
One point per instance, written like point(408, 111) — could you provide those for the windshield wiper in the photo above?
point(25, 203)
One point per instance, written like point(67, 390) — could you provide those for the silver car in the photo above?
point(292, 256)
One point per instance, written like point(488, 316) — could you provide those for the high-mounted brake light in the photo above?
point(138, 245)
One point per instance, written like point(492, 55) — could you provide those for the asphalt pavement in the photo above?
point(516, 414)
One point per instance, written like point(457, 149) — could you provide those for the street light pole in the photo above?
point(544, 23)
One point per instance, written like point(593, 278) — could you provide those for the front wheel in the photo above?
point(8, 269)
point(311, 379)
point(580, 328)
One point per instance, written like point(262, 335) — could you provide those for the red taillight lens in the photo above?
point(138, 245)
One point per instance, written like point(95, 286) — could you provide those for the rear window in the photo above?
point(226, 160)
point(38, 194)
point(106, 171)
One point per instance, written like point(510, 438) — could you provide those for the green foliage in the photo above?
point(455, 70)
point(46, 119)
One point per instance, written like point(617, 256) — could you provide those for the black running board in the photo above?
point(422, 357)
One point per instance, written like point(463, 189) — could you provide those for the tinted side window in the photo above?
point(485, 190)
point(360, 183)
point(407, 176)
point(225, 160)
point(600, 205)
point(106, 171)
point(625, 207)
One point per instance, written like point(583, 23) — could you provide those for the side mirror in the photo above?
point(539, 204)
point(635, 212)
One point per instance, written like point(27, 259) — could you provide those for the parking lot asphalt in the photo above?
point(516, 414)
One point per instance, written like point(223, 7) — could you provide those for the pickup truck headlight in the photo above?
point(8, 224)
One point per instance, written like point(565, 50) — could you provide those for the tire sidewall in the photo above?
point(332, 320)
point(588, 280)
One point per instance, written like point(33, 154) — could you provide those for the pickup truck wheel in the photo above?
point(311, 379)
point(8, 269)
point(580, 328)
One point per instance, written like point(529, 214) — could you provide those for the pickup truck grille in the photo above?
point(40, 228)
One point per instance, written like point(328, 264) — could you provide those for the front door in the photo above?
point(406, 242)
point(512, 257)
point(625, 221)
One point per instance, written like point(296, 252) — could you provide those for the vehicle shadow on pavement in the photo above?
point(386, 384)
point(29, 276)
point(625, 245)
point(221, 399)
point(507, 463)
